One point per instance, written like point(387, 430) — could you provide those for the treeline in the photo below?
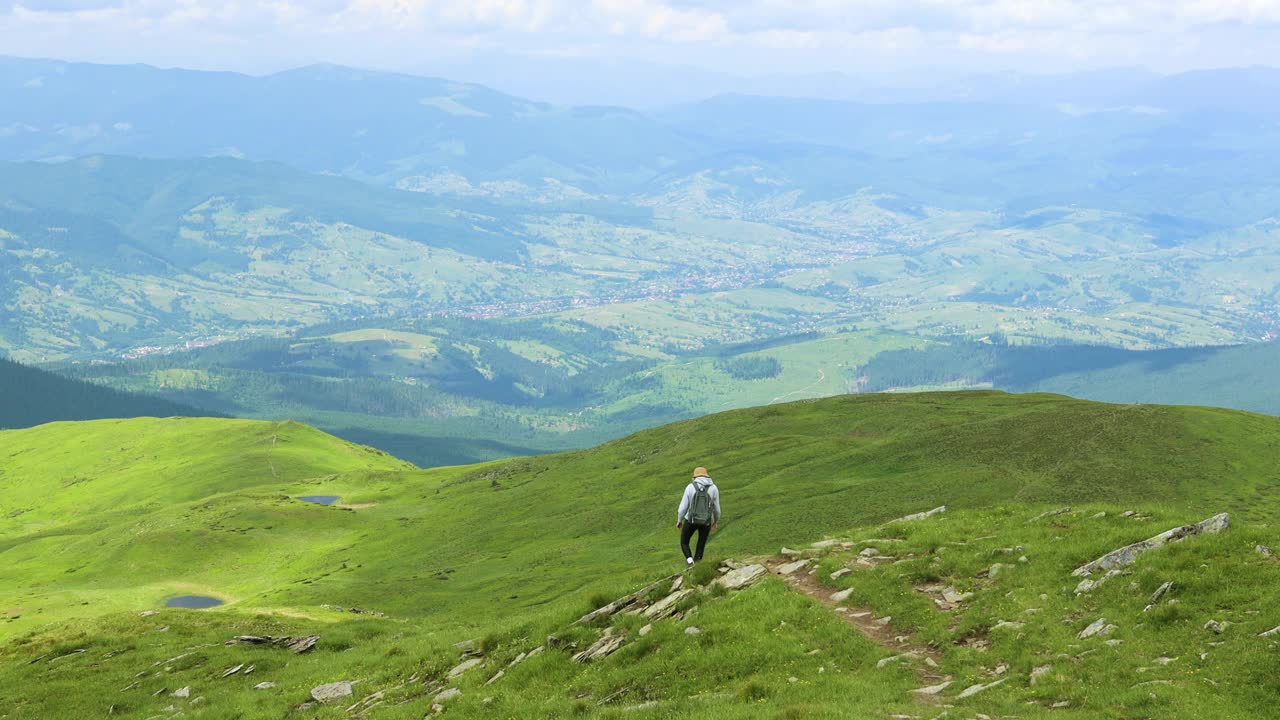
point(758, 367)
point(29, 397)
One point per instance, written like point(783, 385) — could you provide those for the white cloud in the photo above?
point(730, 33)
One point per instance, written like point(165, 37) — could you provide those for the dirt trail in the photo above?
point(863, 619)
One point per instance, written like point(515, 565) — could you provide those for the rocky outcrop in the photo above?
point(604, 647)
point(624, 603)
point(1128, 554)
point(295, 645)
point(742, 577)
point(667, 605)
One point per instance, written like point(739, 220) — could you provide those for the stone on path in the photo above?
point(841, 595)
point(950, 595)
point(331, 692)
point(922, 515)
point(975, 689)
point(742, 577)
point(788, 552)
point(792, 567)
point(840, 573)
point(1128, 554)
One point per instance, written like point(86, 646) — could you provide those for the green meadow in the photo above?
point(106, 520)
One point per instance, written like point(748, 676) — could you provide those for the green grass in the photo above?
point(511, 551)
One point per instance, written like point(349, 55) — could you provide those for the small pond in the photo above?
point(320, 499)
point(193, 602)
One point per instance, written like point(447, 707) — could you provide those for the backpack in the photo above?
point(700, 507)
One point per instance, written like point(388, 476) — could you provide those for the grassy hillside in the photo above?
point(133, 512)
point(29, 396)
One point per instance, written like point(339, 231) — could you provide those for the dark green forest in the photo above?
point(30, 397)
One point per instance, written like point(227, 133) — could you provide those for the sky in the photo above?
point(737, 36)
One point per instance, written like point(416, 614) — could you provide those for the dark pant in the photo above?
point(686, 534)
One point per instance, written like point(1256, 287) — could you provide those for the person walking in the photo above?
point(699, 512)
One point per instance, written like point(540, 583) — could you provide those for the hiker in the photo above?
point(699, 512)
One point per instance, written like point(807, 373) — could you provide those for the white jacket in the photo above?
point(688, 499)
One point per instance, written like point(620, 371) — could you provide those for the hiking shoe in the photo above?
point(689, 561)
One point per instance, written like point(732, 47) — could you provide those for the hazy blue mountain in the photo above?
point(364, 124)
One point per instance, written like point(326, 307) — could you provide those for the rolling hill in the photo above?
point(507, 552)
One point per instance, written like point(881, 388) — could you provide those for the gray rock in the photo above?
point(788, 552)
point(1160, 593)
point(1096, 628)
point(841, 595)
point(792, 567)
point(1003, 625)
point(1270, 633)
point(604, 647)
point(933, 689)
point(1039, 672)
point(626, 602)
point(1264, 551)
point(886, 661)
point(463, 666)
point(182, 692)
point(667, 605)
point(445, 696)
point(742, 577)
point(840, 573)
point(1051, 513)
point(692, 631)
point(646, 629)
point(975, 689)
point(824, 544)
point(1129, 554)
point(869, 552)
point(950, 595)
point(331, 692)
point(496, 677)
point(1216, 626)
point(264, 686)
point(922, 515)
